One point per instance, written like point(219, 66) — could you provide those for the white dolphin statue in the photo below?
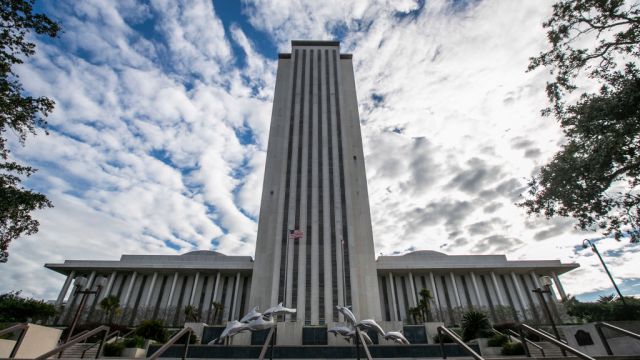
point(370, 324)
point(233, 328)
point(260, 323)
point(397, 337)
point(277, 310)
point(348, 315)
point(251, 315)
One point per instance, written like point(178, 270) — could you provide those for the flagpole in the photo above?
point(286, 271)
point(344, 276)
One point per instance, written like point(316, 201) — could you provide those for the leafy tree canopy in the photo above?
point(595, 177)
point(20, 114)
point(14, 308)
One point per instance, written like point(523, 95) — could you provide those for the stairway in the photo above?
point(75, 351)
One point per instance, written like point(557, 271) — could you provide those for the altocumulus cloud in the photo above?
point(157, 144)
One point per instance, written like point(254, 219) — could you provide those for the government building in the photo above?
point(314, 247)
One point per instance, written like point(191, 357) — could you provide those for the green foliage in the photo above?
point(604, 311)
point(445, 338)
point(153, 330)
point(134, 342)
point(595, 177)
point(14, 308)
point(20, 114)
point(111, 306)
point(113, 349)
point(473, 324)
point(497, 340)
point(512, 348)
point(421, 312)
point(191, 313)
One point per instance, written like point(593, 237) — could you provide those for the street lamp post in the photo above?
point(546, 283)
point(587, 243)
point(80, 283)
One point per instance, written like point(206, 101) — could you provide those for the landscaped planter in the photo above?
point(133, 353)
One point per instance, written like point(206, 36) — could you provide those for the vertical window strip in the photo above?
point(466, 291)
point(532, 304)
point(285, 218)
point(385, 298)
point(243, 298)
point(203, 293)
point(514, 312)
point(343, 202)
point(332, 217)
point(395, 292)
point(447, 299)
point(320, 197)
point(134, 311)
point(298, 210)
point(489, 301)
point(178, 309)
point(159, 300)
point(307, 274)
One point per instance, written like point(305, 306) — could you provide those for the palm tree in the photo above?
point(110, 305)
point(191, 313)
point(424, 303)
point(217, 310)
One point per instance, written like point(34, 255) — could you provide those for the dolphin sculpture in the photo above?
point(348, 315)
point(260, 323)
point(233, 328)
point(366, 338)
point(370, 324)
point(397, 337)
point(342, 330)
point(251, 315)
point(277, 310)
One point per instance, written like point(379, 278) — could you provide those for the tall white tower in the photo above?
point(315, 246)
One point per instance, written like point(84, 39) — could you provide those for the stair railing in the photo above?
point(605, 342)
point(517, 337)
point(551, 339)
point(23, 329)
point(469, 350)
point(549, 334)
point(174, 338)
point(104, 341)
point(74, 341)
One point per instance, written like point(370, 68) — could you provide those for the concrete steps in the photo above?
point(75, 351)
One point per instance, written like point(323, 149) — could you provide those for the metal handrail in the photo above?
point(605, 342)
point(364, 345)
point(172, 341)
point(455, 338)
point(528, 342)
point(552, 340)
point(74, 341)
point(549, 334)
point(23, 328)
point(268, 343)
point(103, 341)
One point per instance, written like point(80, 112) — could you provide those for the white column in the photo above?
point(413, 290)
point(216, 286)
point(455, 289)
point(235, 295)
point(151, 287)
point(173, 288)
point(523, 304)
point(435, 291)
point(498, 292)
point(534, 277)
point(394, 306)
point(90, 281)
point(193, 290)
point(107, 290)
point(476, 289)
point(556, 280)
point(65, 288)
point(125, 302)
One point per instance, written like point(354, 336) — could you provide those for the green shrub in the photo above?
point(153, 330)
point(497, 340)
point(113, 349)
point(445, 338)
point(503, 327)
point(512, 348)
point(134, 342)
point(604, 311)
point(15, 308)
point(473, 324)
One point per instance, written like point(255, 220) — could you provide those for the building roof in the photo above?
point(429, 260)
point(204, 260)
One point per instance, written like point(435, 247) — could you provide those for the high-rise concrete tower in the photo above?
point(315, 246)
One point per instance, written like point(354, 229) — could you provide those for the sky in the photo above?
point(158, 141)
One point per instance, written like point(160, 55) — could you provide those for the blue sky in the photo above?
point(158, 141)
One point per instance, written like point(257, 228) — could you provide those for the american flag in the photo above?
point(295, 234)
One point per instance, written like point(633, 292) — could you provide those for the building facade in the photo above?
point(315, 245)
